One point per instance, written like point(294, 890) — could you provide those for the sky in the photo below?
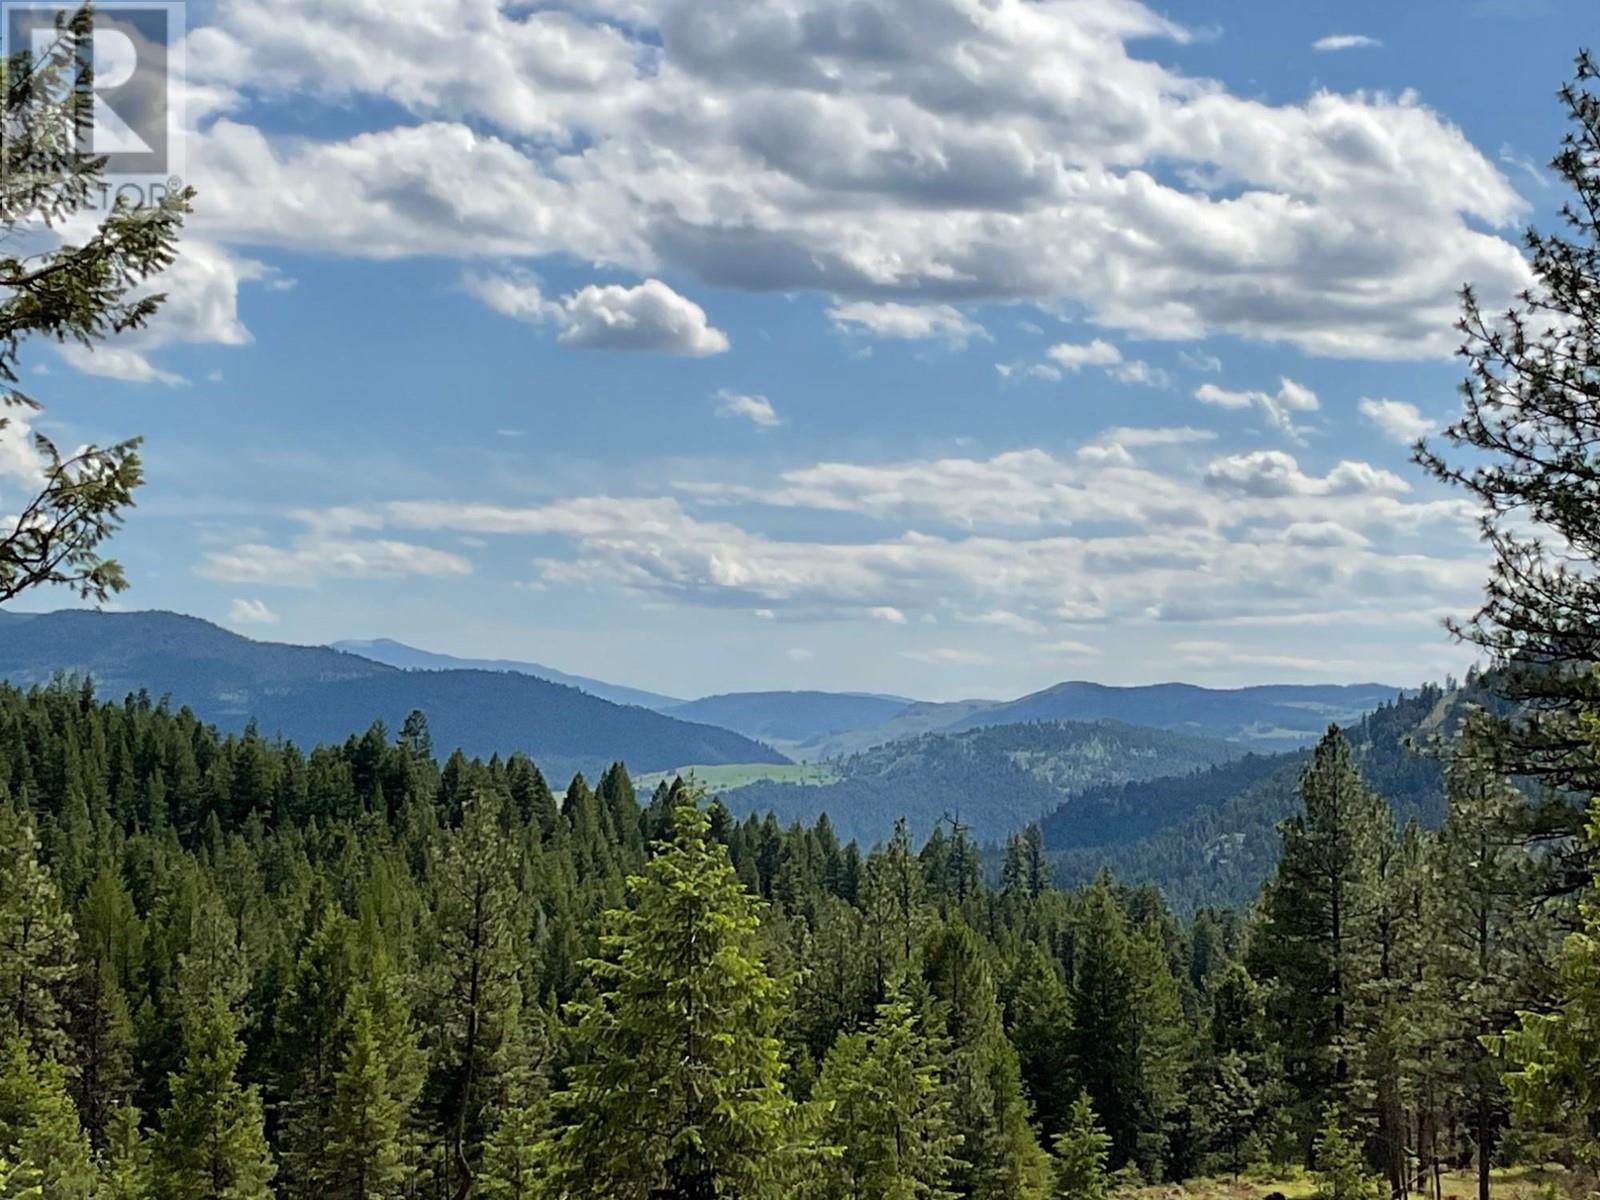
point(945, 348)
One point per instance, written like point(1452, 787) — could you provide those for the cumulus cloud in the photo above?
point(650, 316)
point(251, 612)
point(914, 322)
point(1279, 409)
point(1344, 41)
point(757, 410)
point(927, 150)
point(1272, 473)
point(1398, 419)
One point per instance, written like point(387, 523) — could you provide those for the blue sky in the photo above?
point(942, 347)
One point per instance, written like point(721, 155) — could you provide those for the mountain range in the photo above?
point(314, 693)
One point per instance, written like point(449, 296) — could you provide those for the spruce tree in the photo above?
point(37, 942)
point(889, 1110)
point(1105, 1045)
point(677, 1086)
point(39, 1126)
point(1080, 1153)
point(211, 1145)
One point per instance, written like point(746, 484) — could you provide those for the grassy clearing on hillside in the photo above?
point(1516, 1183)
point(732, 775)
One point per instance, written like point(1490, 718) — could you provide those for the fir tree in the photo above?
point(1080, 1153)
point(1314, 941)
point(37, 942)
point(677, 1087)
point(367, 1128)
point(889, 1111)
point(211, 1145)
point(39, 1127)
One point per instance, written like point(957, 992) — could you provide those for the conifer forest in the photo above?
point(238, 966)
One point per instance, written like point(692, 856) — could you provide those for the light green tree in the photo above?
point(211, 1145)
point(39, 1126)
point(1080, 1153)
point(677, 1088)
point(888, 1109)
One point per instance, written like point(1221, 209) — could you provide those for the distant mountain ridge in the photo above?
point(314, 693)
point(1264, 717)
point(792, 718)
point(996, 779)
point(409, 658)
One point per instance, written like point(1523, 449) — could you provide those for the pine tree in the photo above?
point(125, 1162)
point(1555, 1056)
point(477, 997)
point(39, 1127)
point(211, 1145)
point(676, 1090)
point(1527, 430)
point(1080, 1153)
point(1314, 939)
point(888, 1110)
point(1001, 1159)
point(37, 943)
point(368, 1123)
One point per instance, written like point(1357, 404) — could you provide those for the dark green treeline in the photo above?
point(233, 968)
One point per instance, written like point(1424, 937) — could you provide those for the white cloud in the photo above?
point(1398, 419)
point(251, 612)
point(1141, 372)
point(650, 316)
point(1075, 356)
point(1344, 41)
point(889, 614)
point(799, 654)
point(928, 150)
point(757, 410)
point(313, 558)
point(1072, 649)
point(1199, 360)
point(948, 656)
point(1272, 473)
point(913, 322)
point(1279, 409)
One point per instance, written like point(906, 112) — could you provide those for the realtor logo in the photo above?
point(126, 73)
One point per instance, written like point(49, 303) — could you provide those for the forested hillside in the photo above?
point(1211, 837)
point(233, 968)
point(994, 780)
point(312, 693)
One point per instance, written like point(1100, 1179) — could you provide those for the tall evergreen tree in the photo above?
point(1080, 1153)
point(677, 1088)
point(1314, 938)
point(889, 1110)
point(37, 942)
point(39, 1126)
point(212, 1146)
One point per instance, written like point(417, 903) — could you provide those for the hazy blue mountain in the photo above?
point(409, 658)
point(1279, 716)
point(314, 693)
point(792, 718)
point(997, 779)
